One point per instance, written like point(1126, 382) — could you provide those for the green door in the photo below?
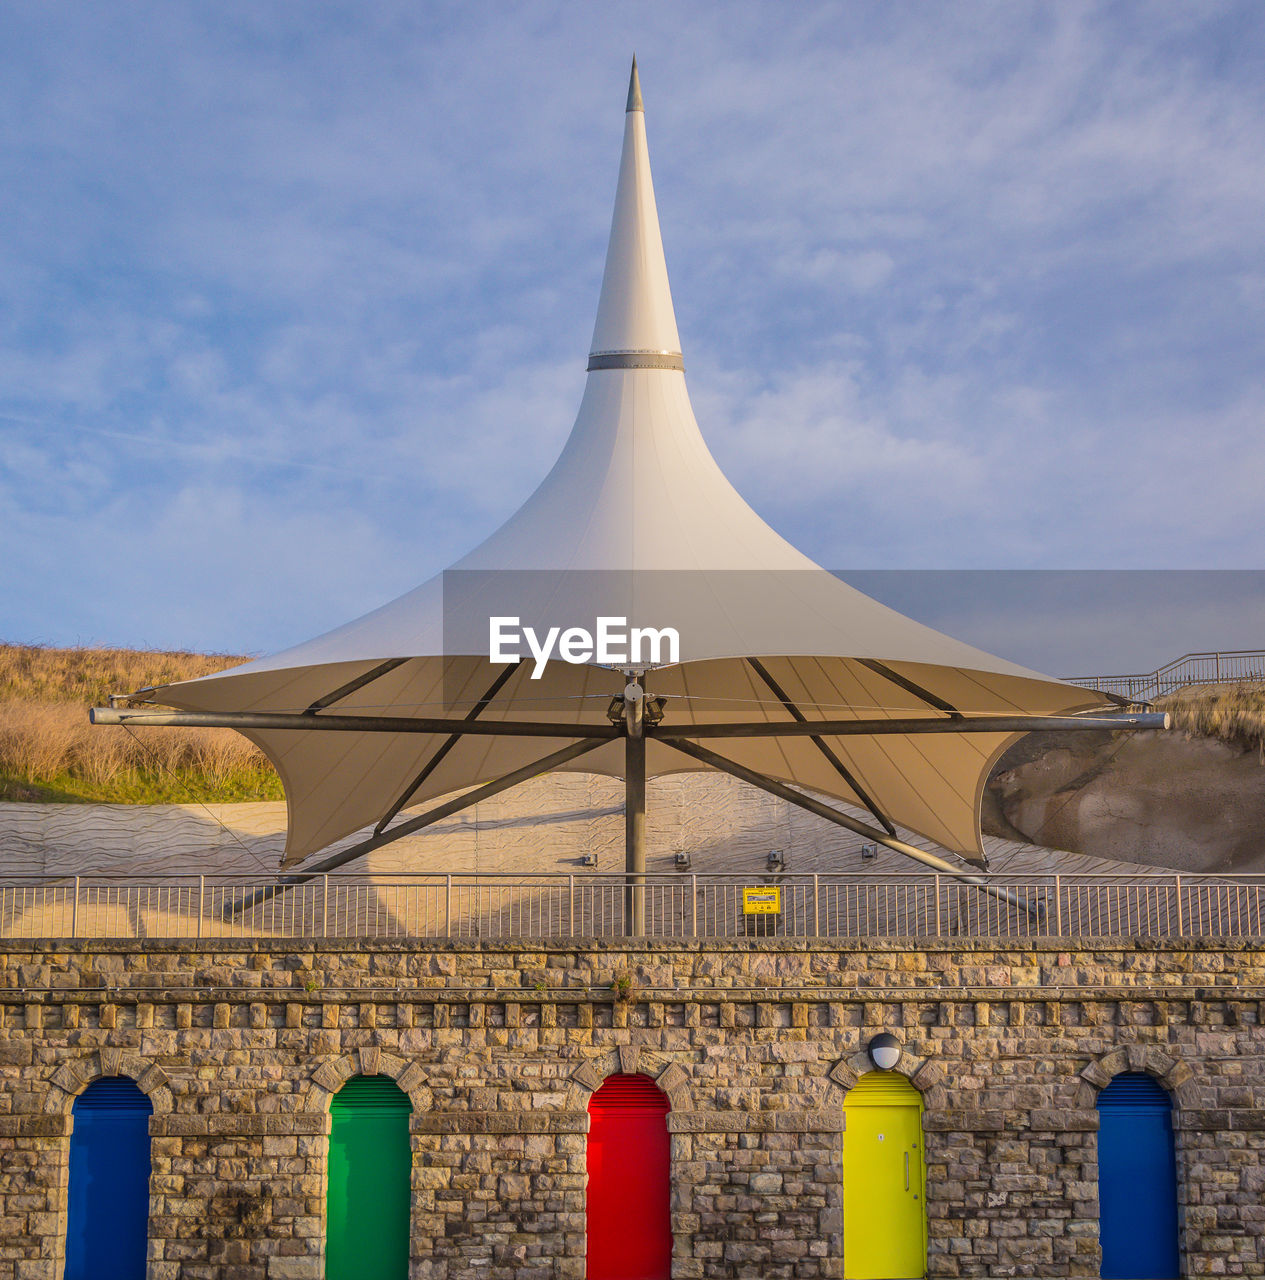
point(367, 1217)
point(884, 1195)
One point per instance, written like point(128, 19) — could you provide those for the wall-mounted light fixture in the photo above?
point(776, 860)
point(589, 860)
point(884, 1051)
point(869, 851)
point(682, 860)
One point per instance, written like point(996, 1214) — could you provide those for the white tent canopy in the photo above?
point(636, 492)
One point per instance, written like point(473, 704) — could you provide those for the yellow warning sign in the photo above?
point(764, 901)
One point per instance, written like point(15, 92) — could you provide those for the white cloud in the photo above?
point(812, 434)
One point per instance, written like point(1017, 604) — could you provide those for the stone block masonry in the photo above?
point(241, 1046)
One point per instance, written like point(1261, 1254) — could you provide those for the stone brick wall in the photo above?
point(241, 1045)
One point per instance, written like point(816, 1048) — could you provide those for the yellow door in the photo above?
point(884, 1197)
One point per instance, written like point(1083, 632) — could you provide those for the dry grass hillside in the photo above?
point(49, 751)
point(1234, 713)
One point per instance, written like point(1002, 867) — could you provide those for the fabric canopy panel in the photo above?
point(636, 491)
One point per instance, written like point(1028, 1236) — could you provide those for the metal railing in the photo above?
point(1228, 666)
point(539, 907)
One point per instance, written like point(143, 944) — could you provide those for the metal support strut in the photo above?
point(634, 809)
point(780, 789)
point(431, 816)
point(854, 783)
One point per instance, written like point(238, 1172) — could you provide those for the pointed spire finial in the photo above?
point(634, 90)
point(635, 328)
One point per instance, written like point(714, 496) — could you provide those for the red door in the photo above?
point(629, 1229)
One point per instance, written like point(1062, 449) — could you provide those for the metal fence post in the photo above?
point(448, 905)
point(201, 896)
point(938, 932)
point(571, 906)
point(325, 905)
point(74, 912)
point(1181, 919)
point(694, 906)
point(816, 908)
point(1058, 906)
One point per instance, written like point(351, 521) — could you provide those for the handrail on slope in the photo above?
point(1222, 666)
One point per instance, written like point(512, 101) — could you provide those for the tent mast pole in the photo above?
point(634, 808)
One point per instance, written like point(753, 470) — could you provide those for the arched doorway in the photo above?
point(1137, 1179)
point(370, 1167)
point(107, 1212)
point(884, 1181)
point(629, 1213)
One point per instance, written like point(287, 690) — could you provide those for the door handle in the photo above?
point(906, 1170)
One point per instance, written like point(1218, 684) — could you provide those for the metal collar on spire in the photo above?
point(636, 360)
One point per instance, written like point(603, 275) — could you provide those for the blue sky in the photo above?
point(295, 298)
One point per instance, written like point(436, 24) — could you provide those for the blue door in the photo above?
point(1137, 1180)
point(108, 1198)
